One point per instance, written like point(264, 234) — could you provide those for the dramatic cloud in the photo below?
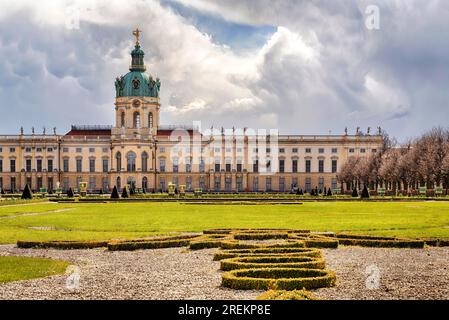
point(320, 70)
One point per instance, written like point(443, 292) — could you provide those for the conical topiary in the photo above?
point(355, 194)
point(70, 193)
point(365, 193)
point(27, 194)
point(329, 192)
point(114, 194)
point(3, 191)
point(125, 193)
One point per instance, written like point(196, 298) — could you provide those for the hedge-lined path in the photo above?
point(175, 273)
point(404, 273)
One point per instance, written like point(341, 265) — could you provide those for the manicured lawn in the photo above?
point(128, 220)
point(24, 268)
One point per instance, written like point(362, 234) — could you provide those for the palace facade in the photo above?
point(138, 150)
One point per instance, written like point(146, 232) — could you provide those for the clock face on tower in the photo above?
point(136, 103)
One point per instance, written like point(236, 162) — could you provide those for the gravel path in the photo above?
point(175, 273)
point(182, 274)
point(403, 273)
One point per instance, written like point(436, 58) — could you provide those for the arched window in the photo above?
point(118, 159)
point(122, 119)
point(150, 120)
point(119, 183)
point(131, 162)
point(136, 120)
point(144, 162)
point(145, 183)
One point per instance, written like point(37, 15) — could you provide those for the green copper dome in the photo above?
point(137, 83)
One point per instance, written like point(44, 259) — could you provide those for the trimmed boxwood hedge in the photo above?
point(233, 244)
point(136, 245)
point(333, 244)
point(437, 243)
point(260, 236)
point(62, 244)
point(204, 244)
point(304, 252)
point(286, 295)
point(383, 243)
point(278, 261)
point(364, 237)
point(278, 279)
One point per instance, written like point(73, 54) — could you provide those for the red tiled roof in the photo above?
point(89, 133)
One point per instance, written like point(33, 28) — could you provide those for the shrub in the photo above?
point(437, 243)
point(62, 244)
point(383, 243)
point(274, 261)
point(286, 295)
point(278, 278)
point(260, 236)
point(305, 252)
point(239, 245)
point(70, 193)
point(355, 193)
point(329, 192)
point(321, 243)
point(125, 193)
point(365, 193)
point(218, 231)
point(27, 194)
point(149, 244)
point(204, 244)
point(365, 237)
point(114, 194)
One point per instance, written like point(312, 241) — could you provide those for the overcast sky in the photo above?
point(304, 67)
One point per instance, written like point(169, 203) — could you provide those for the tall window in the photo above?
point(162, 166)
point(217, 183)
point(281, 165)
point(256, 184)
point(105, 184)
point(228, 184)
point(105, 165)
point(268, 184)
point(91, 165)
point(79, 165)
point(217, 165)
point(144, 161)
point(150, 120)
point(13, 184)
point(239, 165)
point(308, 184)
point(202, 183)
point(92, 184)
point(308, 166)
point(281, 184)
point(12, 167)
point(321, 184)
point(175, 165)
point(28, 165)
point(39, 165)
point(145, 183)
point(228, 165)
point(256, 166)
point(202, 166)
point(65, 165)
point(320, 166)
point(122, 119)
point(136, 120)
point(188, 165)
point(50, 165)
point(65, 184)
point(118, 160)
point(131, 162)
point(295, 165)
point(334, 166)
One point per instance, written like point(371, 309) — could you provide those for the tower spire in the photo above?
point(137, 54)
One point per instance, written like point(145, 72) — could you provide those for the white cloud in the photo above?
point(321, 70)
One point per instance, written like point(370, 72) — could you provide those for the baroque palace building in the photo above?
point(139, 151)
